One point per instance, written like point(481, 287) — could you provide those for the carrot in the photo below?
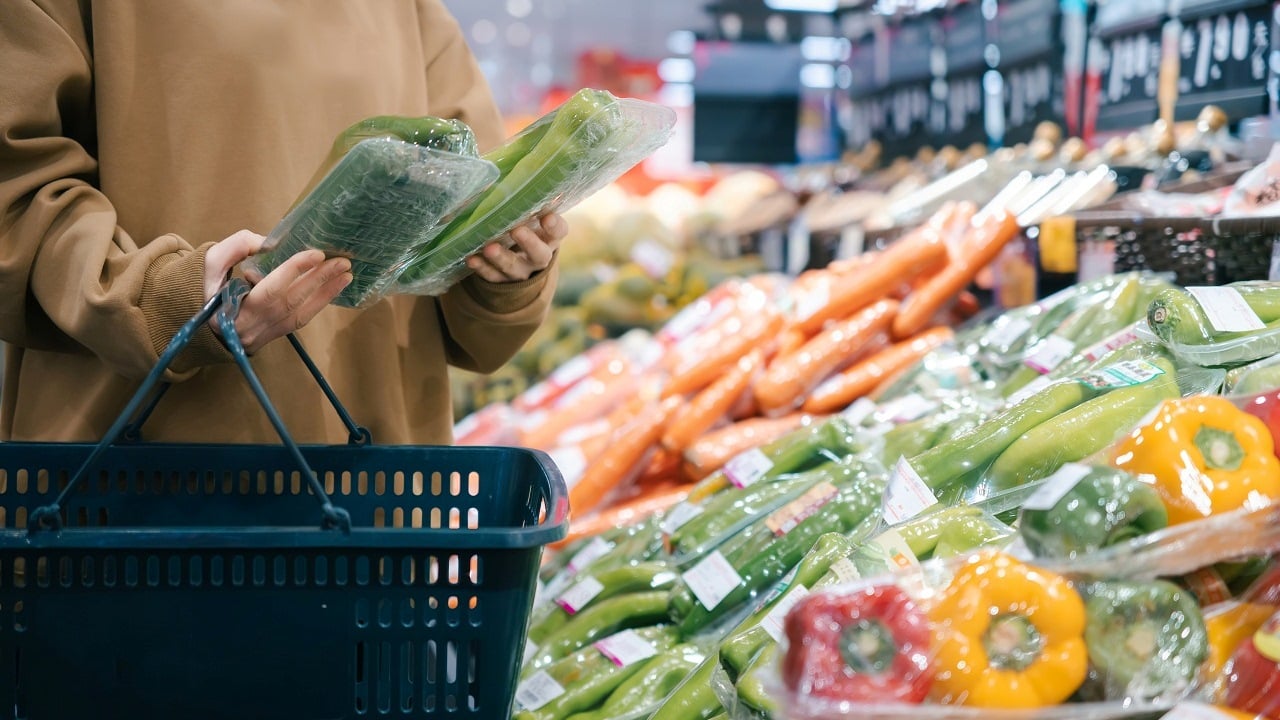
point(789, 378)
point(711, 451)
point(919, 253)
point(966, 306)
point(754, 329)
point(981, 248)
point(622, 459)
point(838, 392)
point(664, 467)
point(625, 513)
point(791, 340)
point(712, 404)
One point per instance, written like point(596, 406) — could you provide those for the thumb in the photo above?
point(225, 254)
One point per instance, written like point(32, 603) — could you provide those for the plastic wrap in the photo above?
point(383, 199)
point(1257, 192)
point(563, 157)
point(1222, 326)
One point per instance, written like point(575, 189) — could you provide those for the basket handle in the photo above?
point(226, 305)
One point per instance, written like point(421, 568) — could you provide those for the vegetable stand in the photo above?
point(210, 581)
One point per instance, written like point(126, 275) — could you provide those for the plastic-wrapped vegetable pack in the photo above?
point(383, 197)
point(1223, 326)
point(564, 156)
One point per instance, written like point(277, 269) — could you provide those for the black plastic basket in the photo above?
point(199, 581)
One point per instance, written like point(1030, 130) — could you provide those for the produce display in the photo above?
point(1051, 512)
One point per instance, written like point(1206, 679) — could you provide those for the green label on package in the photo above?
point(1122, 374)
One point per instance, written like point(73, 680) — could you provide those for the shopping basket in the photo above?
point(274, 581)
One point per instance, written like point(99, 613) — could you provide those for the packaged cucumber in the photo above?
point(563, 157)
point(384, 197)
point(1223, 326)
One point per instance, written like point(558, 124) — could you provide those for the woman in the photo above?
point(138, 139)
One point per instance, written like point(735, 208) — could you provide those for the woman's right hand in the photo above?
point(282, 301)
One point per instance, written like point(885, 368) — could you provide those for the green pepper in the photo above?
point(694, 698)
point(648, 687)
point(1145, 639)
point(761, 557)
point(971, 452)
point(641, 543)
point(614, 581)
point(588, 677)
point(730, 510)
point(1175, 316)
point(802, 449)
point(751, 689)
point(613, 615)
point(1105, 507)
point(1083, 430)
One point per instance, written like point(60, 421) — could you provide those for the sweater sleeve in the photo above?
point(484, 323)
point(71, 280)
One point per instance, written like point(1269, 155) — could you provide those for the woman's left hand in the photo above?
point(531, 254)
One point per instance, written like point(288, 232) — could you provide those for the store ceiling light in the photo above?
point(676, 70)
point(816, 6)
point(682, 42)
point(824, 49)
point(818, 76)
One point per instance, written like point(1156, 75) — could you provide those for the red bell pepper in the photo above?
point(872, 645)
point(1253, 676)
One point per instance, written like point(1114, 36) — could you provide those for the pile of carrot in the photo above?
point(749, 362)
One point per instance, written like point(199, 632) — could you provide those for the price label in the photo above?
point(1050, 353)
point(747, 467)
point(1122, 374)
point(1004, 335)
point(859, 411)
point(571, 462)
point(712, 579)
point(538, 690)
point(1056, 487)
point(626, 648)
point(896, 550)
point(558, 584)
point(679, 515)
point(907, 408)
point(773, 622)
point(577, 597)
point(1030, 389)
point(1115, 342)
point(1226, 309)
point(587, 555)
point(907, 495)
point(785, 519)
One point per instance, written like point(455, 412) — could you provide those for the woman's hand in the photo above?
point(285, 299)
point(532, 253)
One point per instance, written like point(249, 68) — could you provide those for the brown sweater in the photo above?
point(134, 134)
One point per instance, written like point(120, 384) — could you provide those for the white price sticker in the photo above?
point(856, 413)
point(654, 258)
point(907, 408)
point(1226, 309)
point(1123, 374)
point(1007, 334)
point(571, 462)
point(712, 579)
point(587, 555)
point(1056, 487)
point(1195, 711)
point(907, 495)
point(1115, 342)
point(538, 690)
point(773, 622)
point(812, 301)
point(577, 597)
point(789, 516)
point(1030, 389)
point(679, 515)
point(747, 467)
point(1050, 353)
point(626, 648)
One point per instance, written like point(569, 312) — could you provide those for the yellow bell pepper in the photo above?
point(1009, 635)
point(1205, 456)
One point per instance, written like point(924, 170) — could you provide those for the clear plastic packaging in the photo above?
point(1224, 326)
point(383, 199)
point(568, 154)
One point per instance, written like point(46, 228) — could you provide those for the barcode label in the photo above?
point(1009, 333)
point(747, 467)
point(626, 648)
point(774, 621)
point(594, 550)
point(538, 690)
point(582, 592)
point(679, 515)
point(1050, 353)
point(1226, 309)
point(712, 579)
point(907, 495)
point(1056, 487)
